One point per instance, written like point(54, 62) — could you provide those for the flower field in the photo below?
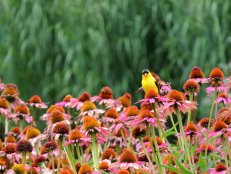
point(101, 134)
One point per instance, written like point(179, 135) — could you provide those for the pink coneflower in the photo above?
point(10, 92)
point(105, 97)
point(119, 137)
point(191, 130)
point(127, 160)
point(109, 154)
point(223, 98)
point(85, 169)
point(191, 86)
point(219, 169)
point(46, 116)
point(151, 97)
point(110, 115)
point(89, 108)
point(224, 115)
point(78, 138)
point(203, 148)
point(177, 101)
point(198, 75)
point(218, 128)
point(129, 114)
point(145, 117)
point(66, 102)
point(21, 112)
point(78, 102)
point(4, 107)
point(220, 87)
point(36, 101)
point(125, 100)
point(92, 126)
point(216, 74)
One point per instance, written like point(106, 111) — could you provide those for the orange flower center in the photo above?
point(132, 111)
point(176, 95)
point(128, 156)
point(35, 99)
point(87, 106)
point(90, 123)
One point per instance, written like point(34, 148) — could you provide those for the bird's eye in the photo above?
point(145, 71)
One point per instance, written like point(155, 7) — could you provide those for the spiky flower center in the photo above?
point(56, 116)
point(106, 93)
point(128, 156)
point(85, 96)
point(90, 122)
point(35, 99)
point(146, 114)
point(196, 72)
point(19, 168)
point(151, 94)
point(176, 95)
point(125, 100)
point(87, 106)
point(220, 167)
point(61, 128)
point(22, 109)
point(24, 146)
point(4, 103)
point(219, 125)
point(109, 153)
point(132, 111)
point(85, 169)
point(191, 86)
point(112, 113)
point(55, 107)
point(67, 98)
point(216, 73)
point(75, 134)
point(32, 133)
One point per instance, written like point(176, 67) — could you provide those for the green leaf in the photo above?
point(170, 168)
point(182, 168)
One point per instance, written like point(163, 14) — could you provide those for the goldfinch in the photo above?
point(148, 81)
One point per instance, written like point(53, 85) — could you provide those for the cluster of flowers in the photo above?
point(101, 134)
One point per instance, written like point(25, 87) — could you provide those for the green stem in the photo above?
point(21, 125)
point(6, 125)
point(130, 139)
point(70, 157)
point(60, 145)
point(176, 131)
point(79, 153)
point(210, 119)
point(23, 157)
point(146, 153)
point(185, 144)
point(190, 111)
point(94, 148)
point(52, 161)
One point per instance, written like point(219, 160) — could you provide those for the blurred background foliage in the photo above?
point(56, 47)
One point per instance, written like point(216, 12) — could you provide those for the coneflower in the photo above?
point(56, 116)
point(21, 113)
point(10, 92)
point(85, 96)
point(19, 168)
point(5, 111)
point(198, 75)
point(123, 171)
point(24, 147)
point(125, 100)
point(10, 148)
point(106, 93)
point(85, 169)
point(104, 166)
point(10, 139)
point(109, 154)
point(216, 74)
point(62, 129)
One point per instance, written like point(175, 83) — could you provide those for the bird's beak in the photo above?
point(145, 74)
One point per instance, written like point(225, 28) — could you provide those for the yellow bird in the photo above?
point(148, 81)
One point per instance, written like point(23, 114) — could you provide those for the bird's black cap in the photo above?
point(145, 71)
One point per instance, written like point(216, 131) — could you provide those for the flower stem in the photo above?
point(146, 153)
point(176, 131)
point(190, 111)
point(23, 157)
point(6, 125)
point(130, 139)
point(21, 125)
point(94, 148)
point(184, 142)
point(210, 119)
point(60, 145)
point(70, 157)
